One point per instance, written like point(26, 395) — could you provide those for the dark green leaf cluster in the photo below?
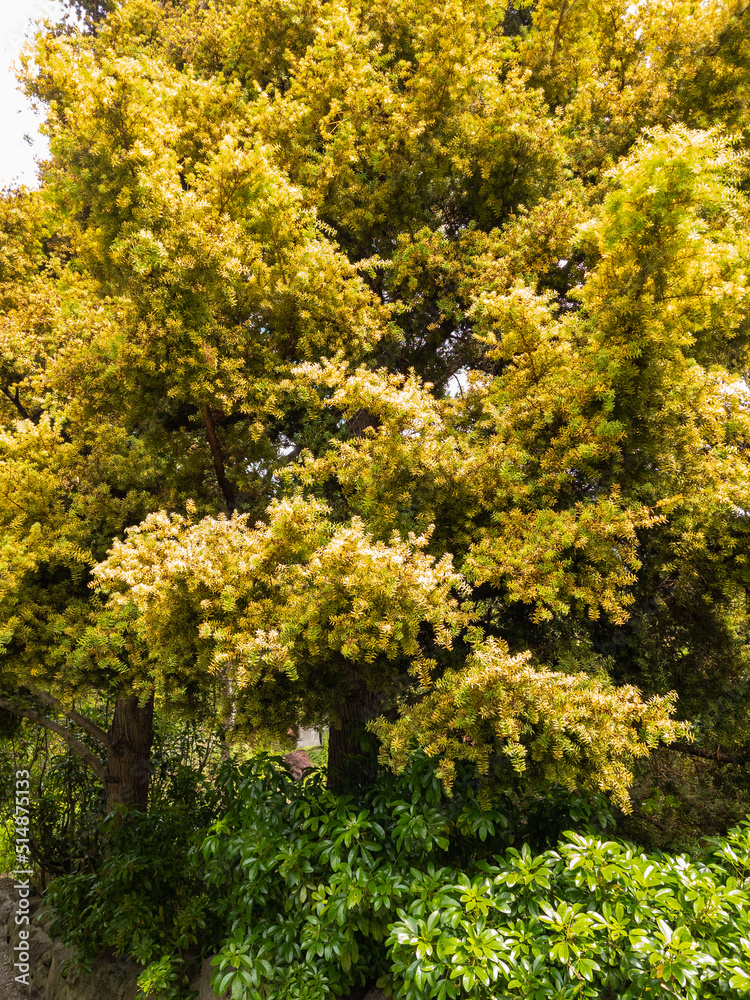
point(65, 799)
point(312, 881)
point(301, 894)
point(324, 893)
point(148, 898)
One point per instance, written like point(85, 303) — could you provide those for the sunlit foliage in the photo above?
point(387, 360)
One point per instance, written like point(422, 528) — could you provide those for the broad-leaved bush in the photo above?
point(323, 893)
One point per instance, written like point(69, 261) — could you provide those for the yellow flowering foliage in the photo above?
point(545, 725)
point(299, 596)
point(615, 69)
point(387, 357)
point(60, 509)
point(192, 241)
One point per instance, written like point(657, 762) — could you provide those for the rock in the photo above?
point(109, 979)
point(203, 983)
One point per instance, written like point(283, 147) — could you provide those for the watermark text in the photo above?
point(23, 885)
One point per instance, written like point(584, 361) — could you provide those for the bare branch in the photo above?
point(15, 400)
point(224, 484)
point(293, 455)
point(80, 720)
point(75, 744)
point(718, 754)
point(565, 9)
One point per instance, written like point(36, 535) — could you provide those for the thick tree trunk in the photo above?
point(129, 753)
point(352, 751)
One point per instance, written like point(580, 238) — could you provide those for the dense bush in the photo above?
point(312, 880)
point(323, 893)
point(304, 894)
point(591, 919)
point(66, 799)
point(148, 899)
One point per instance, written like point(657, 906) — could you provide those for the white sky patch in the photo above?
point(737, 388)
point(17, 119)
point(457, 384)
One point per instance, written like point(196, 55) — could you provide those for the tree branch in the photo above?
point(80, 720)
point(564, 11)
point(360, 421)
point(15, 400)
point(224, 484)
point(718, 754)
point(75, 744)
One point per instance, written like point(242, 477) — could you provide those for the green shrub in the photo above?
point(313, 881)
point(323, 893)
point(304, 895)
point(591, 919)
point(148, 899)
point(67, 800)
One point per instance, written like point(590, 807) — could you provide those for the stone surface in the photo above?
point(110, 979)
point(309, 738)
point(203, 983)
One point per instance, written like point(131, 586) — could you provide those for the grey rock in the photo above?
point(109, 979)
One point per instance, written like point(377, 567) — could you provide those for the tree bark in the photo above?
point(352, 751)
point(227, 490)
point(127, 744)
point(129, 753)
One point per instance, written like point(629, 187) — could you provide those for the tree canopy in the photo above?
point(384, 365)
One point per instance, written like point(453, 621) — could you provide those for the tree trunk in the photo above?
point(129, 753)
point(352, 751)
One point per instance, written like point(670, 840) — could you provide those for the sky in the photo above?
point(17, 163)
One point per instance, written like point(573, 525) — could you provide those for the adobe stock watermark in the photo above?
point(23, 885)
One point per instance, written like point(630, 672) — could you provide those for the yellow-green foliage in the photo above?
point(394, 346)
point(282, 597)
point(558, 727)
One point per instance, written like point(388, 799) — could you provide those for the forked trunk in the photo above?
point(129, 754)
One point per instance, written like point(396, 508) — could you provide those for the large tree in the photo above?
point(382, 366)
